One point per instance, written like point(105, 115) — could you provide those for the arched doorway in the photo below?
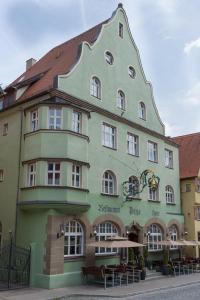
point(134, 236)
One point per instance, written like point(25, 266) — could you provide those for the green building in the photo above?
point(81, 139)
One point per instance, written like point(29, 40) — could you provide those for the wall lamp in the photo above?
point(94, 231)
point(61, 231)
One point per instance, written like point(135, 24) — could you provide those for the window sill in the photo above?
point(133, 198)
point(54, 187)
point(168, 203)
point(65, 131)
point(110, 148)
point(171, 168)
point(74, 258)
point(109, 195)
point(153, 161)
point(135, 155)
point(154, 201)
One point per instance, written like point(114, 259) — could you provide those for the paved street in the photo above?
point(181, 293)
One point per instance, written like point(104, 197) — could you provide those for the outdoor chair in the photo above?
point(99, 274)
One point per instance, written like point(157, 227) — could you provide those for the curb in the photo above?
point(100, 296)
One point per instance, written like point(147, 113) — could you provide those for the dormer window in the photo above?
point(109, 58)
point(131, 72)
point(121, 30)
point(142, 111)
point(121, 100)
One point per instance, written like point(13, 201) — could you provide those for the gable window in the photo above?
point(173, 236)
point(31, 174)
point(76, 176)
point(154, 236)
point(95, 87)
point(53, 173)
point(109, 58)
point(132, 144)
point(73, 239)
point(188, 187)
point(152, 194)
point(104, 231)
point(131, 72)
point(1, 175)
point(55, 118)
point(121, 100)
point(76, 121)
point(5, 129)
point(142, 111)
point(109, 136)
point(152, 151)
point(109, 183)
point(34, 120)
point(169, 194)
point(121, 30)
point(168, 158)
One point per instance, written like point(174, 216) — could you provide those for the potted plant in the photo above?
point(142, 267)
point(165, 266)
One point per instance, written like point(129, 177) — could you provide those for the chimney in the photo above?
point(30, 62)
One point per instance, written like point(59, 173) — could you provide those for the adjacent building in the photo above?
point(190, 186)
point(84, 156)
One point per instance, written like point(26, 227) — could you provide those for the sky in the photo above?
point(166, 32)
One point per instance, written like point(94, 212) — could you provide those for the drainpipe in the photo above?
point(19, 172)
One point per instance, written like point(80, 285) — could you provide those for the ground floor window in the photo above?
point(174, 235)
point(154, 236)
point(73, 239)
point(105, 230)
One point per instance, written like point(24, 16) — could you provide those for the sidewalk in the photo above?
point(91, 292)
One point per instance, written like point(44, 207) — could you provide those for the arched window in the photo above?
point(173, 235)
point(169, 194)
point(73, 243)
point(142, 111)
point(105, 230)
point(154, 236)
point(109, 183)
point(109, 58)
point(121, 100)
point(95, 87)
point(133, 186)
point(131, 72)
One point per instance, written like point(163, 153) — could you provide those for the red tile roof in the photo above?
point(189, 154)
point(57, 61)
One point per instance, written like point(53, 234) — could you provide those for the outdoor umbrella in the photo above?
point(115, 243)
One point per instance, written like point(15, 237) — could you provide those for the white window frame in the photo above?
point(153, 194)
point(31, 174)
point(152, 151)
point(121, 100)
point(131, 72)
point(95, 87)
point(169, 194)
point(109, 136)
point(154, 236)
point(168, 158)
point(104, 231)
point(74, 232)
point(132, 144)
point(109, 57)
point(34, 120)
point(76, 175)
point(53, 172)
point(55, 116)
point(142, 111)
point(173, 236)
point(109, 183)
point(133, 184)
point(76, 121)
point(1, 175)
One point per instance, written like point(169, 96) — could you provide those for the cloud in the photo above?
point(192, 97)
point(189, 46)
